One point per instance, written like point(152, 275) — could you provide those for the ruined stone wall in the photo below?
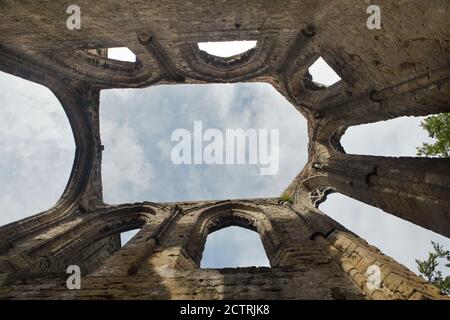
point(162, 261)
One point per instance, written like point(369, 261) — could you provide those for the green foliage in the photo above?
point(438, 127)
point(286, 198)
point(427, 268)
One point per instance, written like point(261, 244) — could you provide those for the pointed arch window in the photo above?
point(233, 247)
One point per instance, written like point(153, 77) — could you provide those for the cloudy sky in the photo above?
point(37, 150)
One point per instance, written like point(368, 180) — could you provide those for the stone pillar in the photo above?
point(414, 189)
point(379, 276)
point(92, 195)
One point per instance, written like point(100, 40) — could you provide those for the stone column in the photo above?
point(414, 189)
point(92, 195)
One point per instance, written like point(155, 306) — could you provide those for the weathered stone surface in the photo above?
point(400, 70)
point(165, 257)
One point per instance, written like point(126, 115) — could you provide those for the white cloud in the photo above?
point(127, 235)
point(121, 54)
point(227, 48)
point(234, 247)
point(37, 149)
point(322, 73)
point(396, 137)
point(126, 169)
point(217, 106)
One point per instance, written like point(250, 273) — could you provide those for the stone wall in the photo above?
point(162, 261)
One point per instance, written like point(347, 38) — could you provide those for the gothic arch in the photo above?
point(86, 152)
point(233, 214)
point(244, 66)
point(57, 248)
